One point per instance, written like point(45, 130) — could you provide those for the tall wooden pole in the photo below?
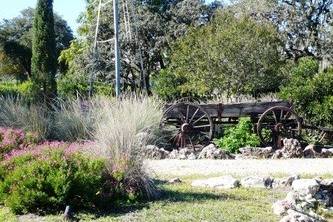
point(116, 46)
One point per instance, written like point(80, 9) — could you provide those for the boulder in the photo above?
point(296, 216)
point(191, 156)
point(184, 153)
point(257, 182)
point(174, 180)
point(285, 182)
point(281, 207)
point(291, 148)
point(212, 152)
point(306, 186)
point(173, 154)
point(225, 182)
point(153, 152)
point(256, 152)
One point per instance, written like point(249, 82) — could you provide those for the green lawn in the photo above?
point(181, 202)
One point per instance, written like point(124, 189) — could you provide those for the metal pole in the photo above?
point(116, 46)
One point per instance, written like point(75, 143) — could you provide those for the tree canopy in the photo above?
point(16, 43)
point(231, 55)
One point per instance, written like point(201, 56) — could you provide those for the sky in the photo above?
point(67, 9)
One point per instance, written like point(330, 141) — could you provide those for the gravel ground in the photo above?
point(240, 167)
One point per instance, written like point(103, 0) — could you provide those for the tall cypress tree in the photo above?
point(44, 60)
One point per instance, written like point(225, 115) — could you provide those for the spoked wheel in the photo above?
point(189, 123)
point(277, 123)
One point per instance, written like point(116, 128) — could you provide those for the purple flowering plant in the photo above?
point(15, 139)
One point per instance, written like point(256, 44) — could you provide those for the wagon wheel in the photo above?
point(276, 123)
point(191, 124)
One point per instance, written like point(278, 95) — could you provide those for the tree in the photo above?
point(305, 26)
point(311, 92)
point(231, 55)
point(44, 57)
point(16, 43)
point(154, 25)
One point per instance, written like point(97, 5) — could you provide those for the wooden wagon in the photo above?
point(196, 123)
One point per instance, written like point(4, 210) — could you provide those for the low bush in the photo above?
point(11, 139)
point(238, 136)
point(52, 182)
point(13, 89)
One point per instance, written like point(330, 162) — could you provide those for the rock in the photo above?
point(256, 152)
point(211, 152)
point(191, 156)
point(173, 154)
point(153, 152)
point(306, 186)
point(288, 181)
point(29, 217)
point(292, 148)
point(284, 182)
point(174, 180)
point(225, 182)
point(281, 207)
point(258, 182)
point(326, 153)
point(278, 154)
point(295, 216)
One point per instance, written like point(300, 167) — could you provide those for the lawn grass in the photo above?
point(181, 202)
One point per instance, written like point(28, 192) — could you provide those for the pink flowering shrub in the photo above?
point(40, 149)
point(15, 139)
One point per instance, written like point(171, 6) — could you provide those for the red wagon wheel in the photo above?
point(190, 123)
point(276, 123)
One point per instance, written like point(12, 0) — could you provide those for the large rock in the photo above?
point(153, 152)
point(292, 148)
point(306, 186)
point(212, 152)
point(295, 216)
point(256, 152)
point(257, 182)
point(225, 182)
point(281, 207)
point(285, 182)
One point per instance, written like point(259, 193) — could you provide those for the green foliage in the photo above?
point(44, 57)
point(311, 92)
point(15, 90)
point(49, 184)
point(239, 136)
point(231, 55)
point(16, 43)
point(167, 85)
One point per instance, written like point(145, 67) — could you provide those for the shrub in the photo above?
point(239, 136)
point(17, 90)
point(311, 92)
point(11, 139)
point(118, 140)
point(51, 183)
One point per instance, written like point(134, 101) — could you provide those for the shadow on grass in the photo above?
point(168, 194)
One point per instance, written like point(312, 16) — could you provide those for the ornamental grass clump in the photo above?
point(73, 120)
point(121, 135)
point(16, 113)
